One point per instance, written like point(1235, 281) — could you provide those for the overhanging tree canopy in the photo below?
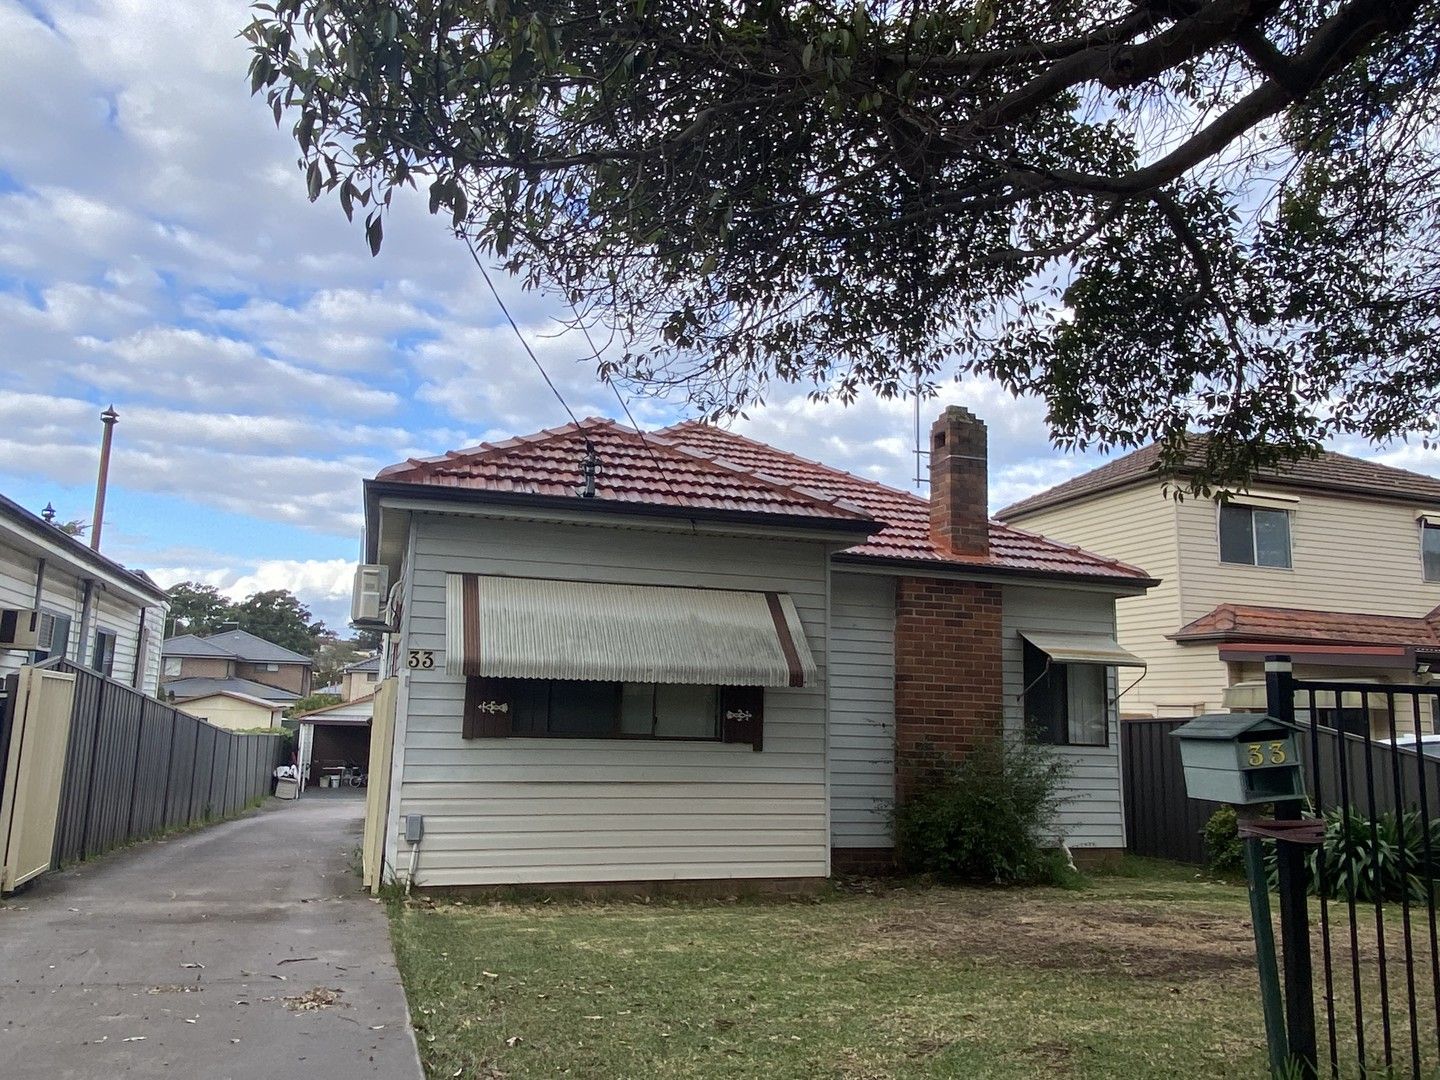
point(1207, 214)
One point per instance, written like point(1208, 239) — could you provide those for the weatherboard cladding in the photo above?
point(698, 466)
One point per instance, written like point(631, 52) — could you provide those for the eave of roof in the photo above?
point(42, 532)
point(1139, 467)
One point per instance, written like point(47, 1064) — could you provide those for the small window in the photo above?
point(1430, 550)
point(103, 657)
point(172, 667)
point(272, 667)
point(1066, 704)
point(1254, 536)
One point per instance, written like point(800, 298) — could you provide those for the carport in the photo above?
point(333, 738)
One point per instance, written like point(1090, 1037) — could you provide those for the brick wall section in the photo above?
point(948, 675)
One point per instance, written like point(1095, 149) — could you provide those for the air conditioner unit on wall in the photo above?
point(367, 606)
point(20, 629)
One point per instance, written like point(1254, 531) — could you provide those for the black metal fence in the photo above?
point(1374, 880)
point(136, 767)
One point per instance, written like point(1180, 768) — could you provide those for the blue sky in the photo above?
point(157, 251)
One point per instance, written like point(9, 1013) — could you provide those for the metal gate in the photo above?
point(1359, 910)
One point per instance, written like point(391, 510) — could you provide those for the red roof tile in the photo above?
point(1302, 626)
point(635, 469)
point(906, 535)
point(701, 467)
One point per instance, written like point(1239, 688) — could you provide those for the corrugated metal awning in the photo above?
point(537, 628)
point(1080, 648)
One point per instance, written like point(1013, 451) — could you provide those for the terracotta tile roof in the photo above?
point(1301, 626)
point(906, 535)
point(1328, 472)
point(634, 469)
point(697, 466)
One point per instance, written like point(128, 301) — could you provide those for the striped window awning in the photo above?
point(537, 628)
point(1082, 648)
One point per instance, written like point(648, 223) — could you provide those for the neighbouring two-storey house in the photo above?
point(1334, 561)
point(61, 598)
point(685, 654)
point(234, 678)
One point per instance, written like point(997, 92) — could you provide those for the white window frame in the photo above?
point(1252, 507)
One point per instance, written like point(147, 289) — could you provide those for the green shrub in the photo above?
point(1385, 863)
point(1224, 850)
point(988, 818)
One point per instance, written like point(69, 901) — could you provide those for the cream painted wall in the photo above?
point(1348, 554)
point(230, 713)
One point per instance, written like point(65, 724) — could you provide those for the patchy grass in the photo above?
point(1147, 972)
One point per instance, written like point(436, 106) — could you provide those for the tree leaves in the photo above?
point(860, 196)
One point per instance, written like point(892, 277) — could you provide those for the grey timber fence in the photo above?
point(136, 767)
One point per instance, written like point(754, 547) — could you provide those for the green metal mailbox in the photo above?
point(1240, 758)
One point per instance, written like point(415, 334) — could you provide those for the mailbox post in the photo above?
point(1249, 761)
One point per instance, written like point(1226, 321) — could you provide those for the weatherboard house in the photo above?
point(639, 657)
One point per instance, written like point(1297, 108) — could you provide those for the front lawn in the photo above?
point(1133, 976)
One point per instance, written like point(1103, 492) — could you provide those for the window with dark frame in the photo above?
point(103, 657)
point(1065, 704)
point(583, 709)
point(1430, 550)
point(1254, 536)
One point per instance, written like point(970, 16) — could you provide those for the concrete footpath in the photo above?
point(241, 951)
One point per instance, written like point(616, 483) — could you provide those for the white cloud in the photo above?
point(322, 585)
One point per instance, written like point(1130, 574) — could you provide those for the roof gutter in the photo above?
point(375, 490)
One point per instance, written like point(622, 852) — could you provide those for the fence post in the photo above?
point(1293, 889)
point(135, 775)
point(169, 772)
point(94, 755)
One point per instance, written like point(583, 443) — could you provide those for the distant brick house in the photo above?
point(233, 662)
point(689, 655)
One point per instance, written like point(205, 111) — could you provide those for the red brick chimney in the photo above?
point(959, 492)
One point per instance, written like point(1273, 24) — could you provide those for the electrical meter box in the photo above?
point(1240, 758)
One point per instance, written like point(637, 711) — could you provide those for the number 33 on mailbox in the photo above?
point(1241, 759)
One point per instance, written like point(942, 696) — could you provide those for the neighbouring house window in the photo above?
point(272, 667)
point(103, 658)
point(59, 637)
point(1254, 536)
point(576, 709)
point(1066, 704)
point(371, 676)
point(1430, 550)
point(172, 667)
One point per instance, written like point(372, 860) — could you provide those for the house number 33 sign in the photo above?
point(1256, 753)
point(421, 659)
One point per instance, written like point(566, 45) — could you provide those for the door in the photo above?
point(34, 772)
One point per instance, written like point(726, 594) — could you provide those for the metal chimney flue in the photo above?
point(109, 418)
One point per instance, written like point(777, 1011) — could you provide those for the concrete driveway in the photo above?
point(242, 951)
